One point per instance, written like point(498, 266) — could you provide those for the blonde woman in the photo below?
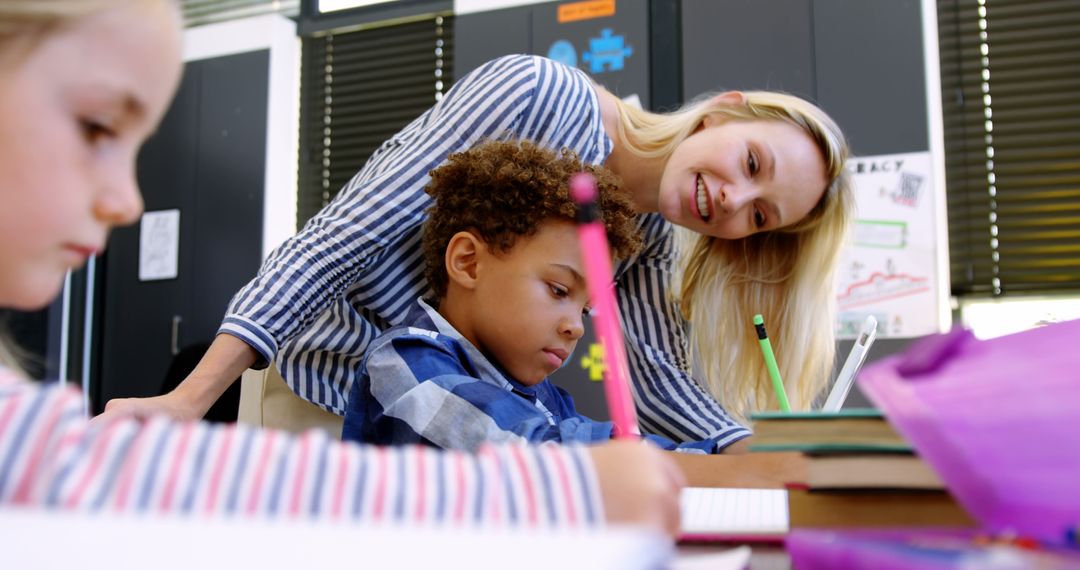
point(82, 84)
point(781, 268)
point(760, 176)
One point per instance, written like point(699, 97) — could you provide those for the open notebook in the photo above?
point(737, 515)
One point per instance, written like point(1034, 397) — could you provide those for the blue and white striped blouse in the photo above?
point(357, 266)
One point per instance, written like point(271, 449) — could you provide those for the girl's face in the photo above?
point(736, 178)
point(74, 110)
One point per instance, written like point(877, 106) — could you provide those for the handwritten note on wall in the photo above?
point(159, 245)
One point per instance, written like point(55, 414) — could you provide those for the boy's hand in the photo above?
point(639, 485)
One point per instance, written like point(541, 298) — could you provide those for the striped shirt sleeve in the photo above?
point(669, 401)
point(50, 456)
point(514, 96)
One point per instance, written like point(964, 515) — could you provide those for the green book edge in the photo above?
point(818, 415)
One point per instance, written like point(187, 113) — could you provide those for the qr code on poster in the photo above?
point(907, 193)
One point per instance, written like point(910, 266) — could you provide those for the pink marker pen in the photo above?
point(605, 313)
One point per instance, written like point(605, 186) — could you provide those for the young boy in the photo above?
point(502, 255)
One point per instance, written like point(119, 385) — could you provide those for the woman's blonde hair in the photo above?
point(787, 275)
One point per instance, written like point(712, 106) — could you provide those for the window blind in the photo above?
point(357, 89)
point(1010, 74)
point(200, 12)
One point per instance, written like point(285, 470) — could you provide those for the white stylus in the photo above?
point(851, 366)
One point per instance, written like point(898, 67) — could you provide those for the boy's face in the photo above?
point(531, 303)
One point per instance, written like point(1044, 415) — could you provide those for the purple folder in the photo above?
point(999, 420)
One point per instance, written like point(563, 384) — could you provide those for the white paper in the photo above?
point(159, 245)
point(136, 542)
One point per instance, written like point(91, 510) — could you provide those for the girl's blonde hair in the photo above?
point(10, 354)
point(29, 20)
point(787, 275)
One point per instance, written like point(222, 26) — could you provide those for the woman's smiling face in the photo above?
point(731, 179)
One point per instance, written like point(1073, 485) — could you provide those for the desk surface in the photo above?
point(749, 471)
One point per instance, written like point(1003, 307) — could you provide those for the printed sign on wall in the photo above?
point(889, 269)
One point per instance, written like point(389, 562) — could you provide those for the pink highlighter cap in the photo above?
point(583, 188)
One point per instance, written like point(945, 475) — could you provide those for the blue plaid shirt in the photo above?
point(423, 382)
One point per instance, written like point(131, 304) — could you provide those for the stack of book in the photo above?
point(859, 472)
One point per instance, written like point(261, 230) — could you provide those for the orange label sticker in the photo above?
point(578, 11)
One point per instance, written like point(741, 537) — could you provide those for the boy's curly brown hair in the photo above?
point(502, 190)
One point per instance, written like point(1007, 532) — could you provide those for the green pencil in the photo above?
point(770, 363)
